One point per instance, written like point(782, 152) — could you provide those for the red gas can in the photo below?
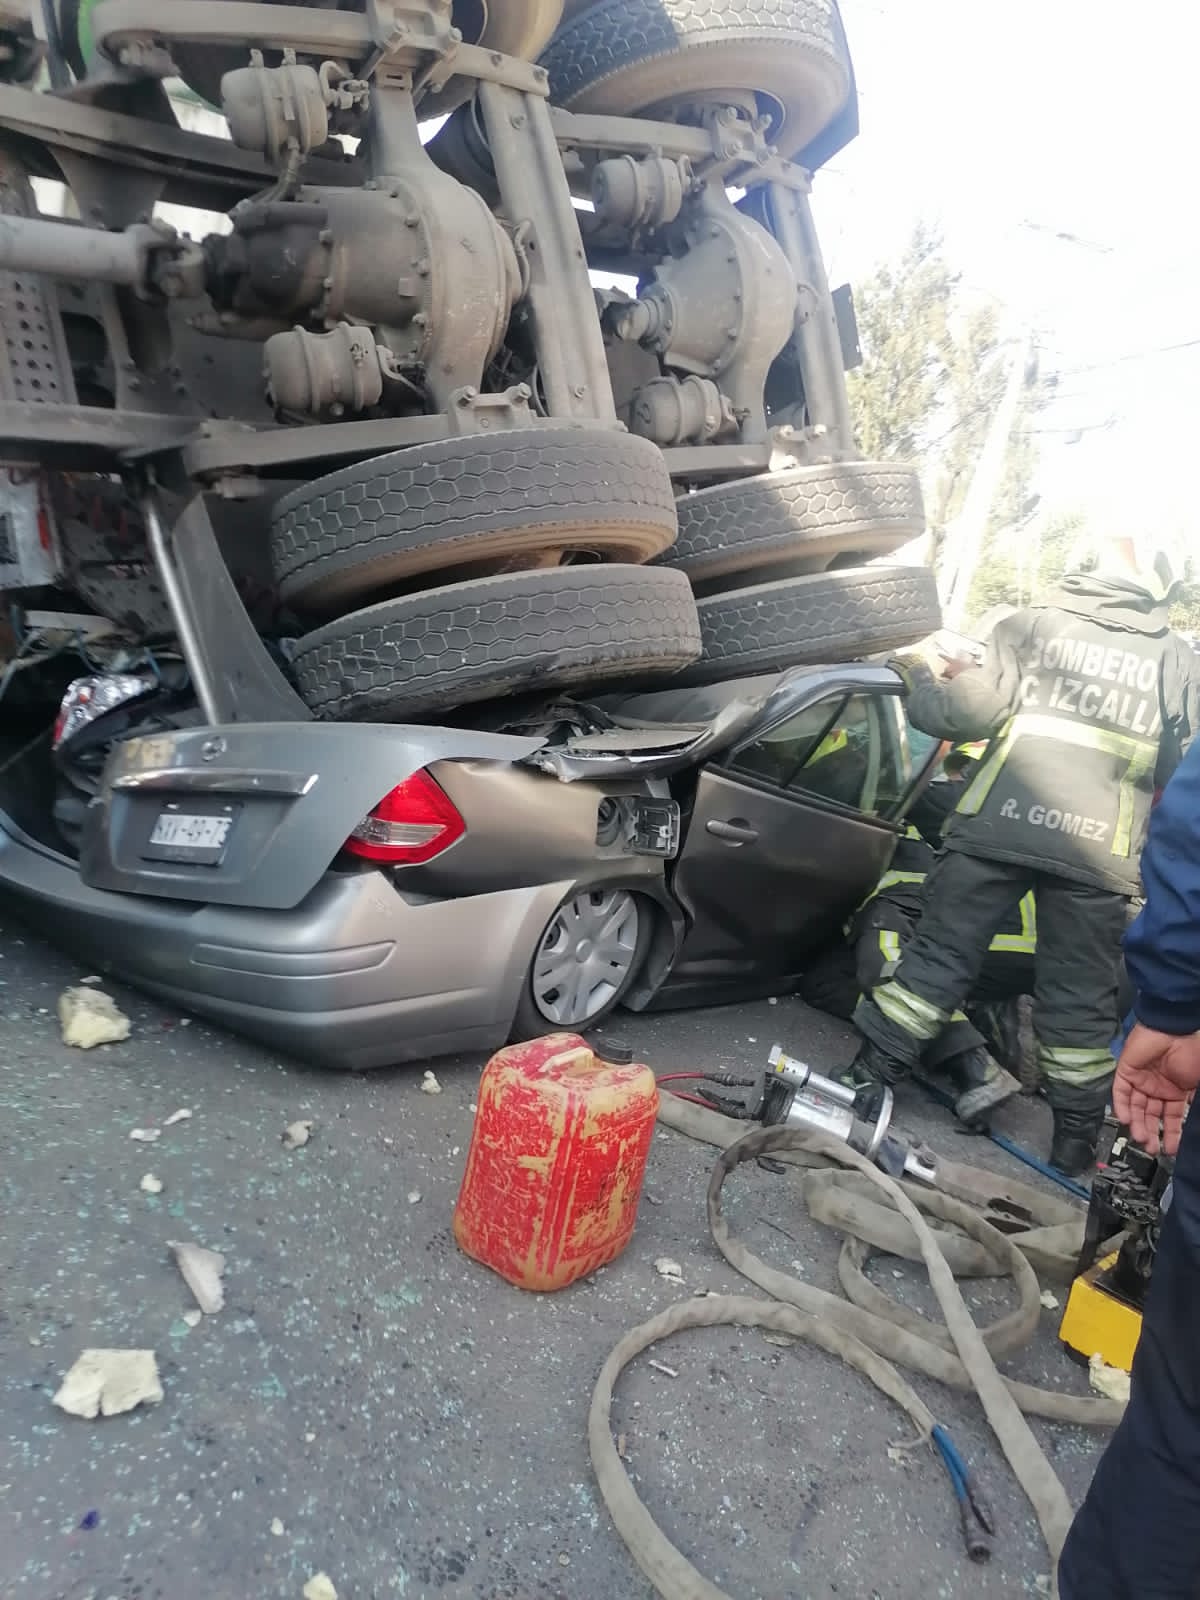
point(557, 1157)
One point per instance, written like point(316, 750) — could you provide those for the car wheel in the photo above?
point(585, 961)
point(800, 520)
point(655, 57)
point(821, 617)
point(523, 497)
point(426, 653)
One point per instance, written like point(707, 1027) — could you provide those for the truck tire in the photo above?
point(425, 654)
point(822, 617)
point(630, 57)
point(798, 520)
point(488, 498)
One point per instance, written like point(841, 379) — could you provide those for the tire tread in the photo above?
point(518, 632)
point(818, 618)
point(432, 507)
point(801, 512)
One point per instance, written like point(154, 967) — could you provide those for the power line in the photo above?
point(1133, 355)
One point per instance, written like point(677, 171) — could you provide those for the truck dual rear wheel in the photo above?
point(488, 502)
point(803, 519)
point(523, 632)
point(811, 620)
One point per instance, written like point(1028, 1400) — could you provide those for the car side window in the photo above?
point(842, 765)
point(850, 749)
point(778, 755)
point(899, 765)
point(862, 760)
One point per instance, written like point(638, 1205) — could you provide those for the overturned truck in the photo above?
point(375, 447)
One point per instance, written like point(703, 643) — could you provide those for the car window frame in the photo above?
point(837, 697)
point(836, 701)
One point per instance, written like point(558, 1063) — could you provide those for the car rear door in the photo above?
point(789, 834)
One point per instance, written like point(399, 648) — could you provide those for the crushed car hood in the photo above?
point(650, 735)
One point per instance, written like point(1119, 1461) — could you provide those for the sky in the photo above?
point(1009, 123)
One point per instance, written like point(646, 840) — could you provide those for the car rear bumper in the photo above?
point(357, 975)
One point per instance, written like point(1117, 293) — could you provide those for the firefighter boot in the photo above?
point(873, 1067)
point(999, 1021)
point(1076, 1138)
point(979, 1085)
point(1078, 1120)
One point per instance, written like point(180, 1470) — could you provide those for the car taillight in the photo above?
point(412, 824)
point(89, 698)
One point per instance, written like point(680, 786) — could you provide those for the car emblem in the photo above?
point(212, 748)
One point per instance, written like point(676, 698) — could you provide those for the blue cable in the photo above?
point(1079, 1190)
point(1017, 1151)
point(955, 1465)
point(974, 1515)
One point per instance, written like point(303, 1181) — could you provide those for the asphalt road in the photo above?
point(372, 1404)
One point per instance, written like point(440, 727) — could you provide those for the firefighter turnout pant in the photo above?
point(882, 931)
point(1137, 1536)
point(1079, 932)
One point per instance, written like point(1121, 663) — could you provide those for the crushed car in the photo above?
point(360, 895)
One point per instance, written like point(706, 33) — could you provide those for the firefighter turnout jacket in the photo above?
point(1088, 703)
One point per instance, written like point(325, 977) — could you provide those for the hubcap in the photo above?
point(585, 956)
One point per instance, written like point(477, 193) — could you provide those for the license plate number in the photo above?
point(181, 831)
point(191, 833)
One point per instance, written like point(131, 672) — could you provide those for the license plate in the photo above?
point(191, 833)
point(196, 836)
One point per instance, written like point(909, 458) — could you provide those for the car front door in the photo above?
point(788, 835)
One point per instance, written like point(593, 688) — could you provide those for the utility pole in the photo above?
point(966, 534)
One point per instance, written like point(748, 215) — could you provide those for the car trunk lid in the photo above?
point(254, 814)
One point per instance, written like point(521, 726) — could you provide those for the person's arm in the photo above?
point(1181, 705)
point(976, 702)
point(1159, 1069)
point(1162, 949)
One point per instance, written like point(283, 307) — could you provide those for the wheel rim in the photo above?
point(586, 955)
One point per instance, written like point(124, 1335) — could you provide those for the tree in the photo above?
point(934, 368)
point(903, 323)
point(1185, 611)
point(1018, 571)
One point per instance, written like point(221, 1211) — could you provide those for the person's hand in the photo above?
point(1156, 1078)
point(953, 665)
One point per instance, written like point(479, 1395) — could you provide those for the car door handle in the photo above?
point(738, 832)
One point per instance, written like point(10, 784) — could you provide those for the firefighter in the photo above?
point(1088, 703)
point(874, 939)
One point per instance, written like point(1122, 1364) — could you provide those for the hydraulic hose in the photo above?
point(867, 1330)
